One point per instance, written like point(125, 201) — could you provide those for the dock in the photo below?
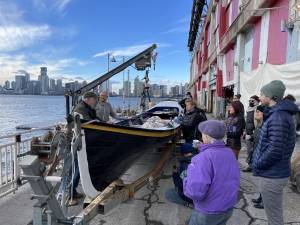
point(149, 206)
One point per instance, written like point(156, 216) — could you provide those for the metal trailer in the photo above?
point(51, 211)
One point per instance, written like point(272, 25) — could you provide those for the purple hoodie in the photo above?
point(213, 179)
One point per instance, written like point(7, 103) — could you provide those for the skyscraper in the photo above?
point(44, 80)
point(20, 84)
point(127, 88)
point(59, 87)
point(164, 90)
point(52, 86)
point(7, 84)
point(138, 87)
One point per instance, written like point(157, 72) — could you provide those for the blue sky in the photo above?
point(67, 35)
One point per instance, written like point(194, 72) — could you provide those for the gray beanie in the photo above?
point(274, 89)
point(90, 95)
point(213, 128)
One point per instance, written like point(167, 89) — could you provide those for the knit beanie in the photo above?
point(274, 90)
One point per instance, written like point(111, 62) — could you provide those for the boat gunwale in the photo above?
point(130, 130)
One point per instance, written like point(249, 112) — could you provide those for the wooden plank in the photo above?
point(114, 194)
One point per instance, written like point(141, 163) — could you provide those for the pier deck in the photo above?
point(149, 206)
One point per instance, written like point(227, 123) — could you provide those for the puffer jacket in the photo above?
point(273, 153)
point(190, 122)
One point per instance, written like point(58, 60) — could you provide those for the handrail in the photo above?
point(27, 131)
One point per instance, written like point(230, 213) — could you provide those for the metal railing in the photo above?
point(13, 148)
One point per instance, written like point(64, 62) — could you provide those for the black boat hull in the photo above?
point(109, 150)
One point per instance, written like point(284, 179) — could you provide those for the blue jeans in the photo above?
point(172, 196)
point(76, 177)
point(199, 218)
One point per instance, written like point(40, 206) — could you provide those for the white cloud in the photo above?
point(128, 51)
point(61, 5)
point(58, 6)
point(16, 37)
point(178, 29)
point(15, 32)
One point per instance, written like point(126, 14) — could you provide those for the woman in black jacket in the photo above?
point(191, 120)
point(235, 125)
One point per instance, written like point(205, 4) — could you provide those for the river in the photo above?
point(16, 110)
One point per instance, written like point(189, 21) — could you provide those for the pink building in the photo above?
point(235, 36)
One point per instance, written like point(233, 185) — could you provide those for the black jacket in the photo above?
point(235, 127)
point(190, 122)
point(87, 112)
point(273, 153)
point(250, 122)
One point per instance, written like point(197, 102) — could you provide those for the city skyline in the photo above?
point(66, 42)
point(45, 85)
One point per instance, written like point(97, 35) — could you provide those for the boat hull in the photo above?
point(109, 150)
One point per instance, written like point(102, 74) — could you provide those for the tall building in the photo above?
point(164, 90)
point(52, 85)
point(34, 87)
point(177, 90)
point(44, 81)
point(138, 87)
point(27, 78)
point(7, 85)
point(13, 85)
point(127, 88)
point(59, 87)
point(20, 84)
point(121, 91)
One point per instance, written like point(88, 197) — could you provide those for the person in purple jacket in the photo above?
point(213, 178)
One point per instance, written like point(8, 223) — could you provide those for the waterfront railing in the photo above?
point(13, 149)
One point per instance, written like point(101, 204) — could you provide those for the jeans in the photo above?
point(76, 177)
point(272, 192)
point(199, 218)
point(249, 145)
point(172, 196)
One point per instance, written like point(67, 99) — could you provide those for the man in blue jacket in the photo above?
point(273, 153)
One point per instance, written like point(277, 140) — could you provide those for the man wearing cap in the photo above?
point(213, 178)
point(272, 156)
point(87, 106)
point(87, 109)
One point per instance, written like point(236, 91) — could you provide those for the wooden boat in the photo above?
point(108, 150)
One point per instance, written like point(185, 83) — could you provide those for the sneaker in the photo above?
point(248, 170)
point(258, 206)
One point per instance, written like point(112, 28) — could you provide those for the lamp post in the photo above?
point(109, 60)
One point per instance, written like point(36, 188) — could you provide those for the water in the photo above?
point(16, 110)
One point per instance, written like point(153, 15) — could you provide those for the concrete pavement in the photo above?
point(149, 206)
